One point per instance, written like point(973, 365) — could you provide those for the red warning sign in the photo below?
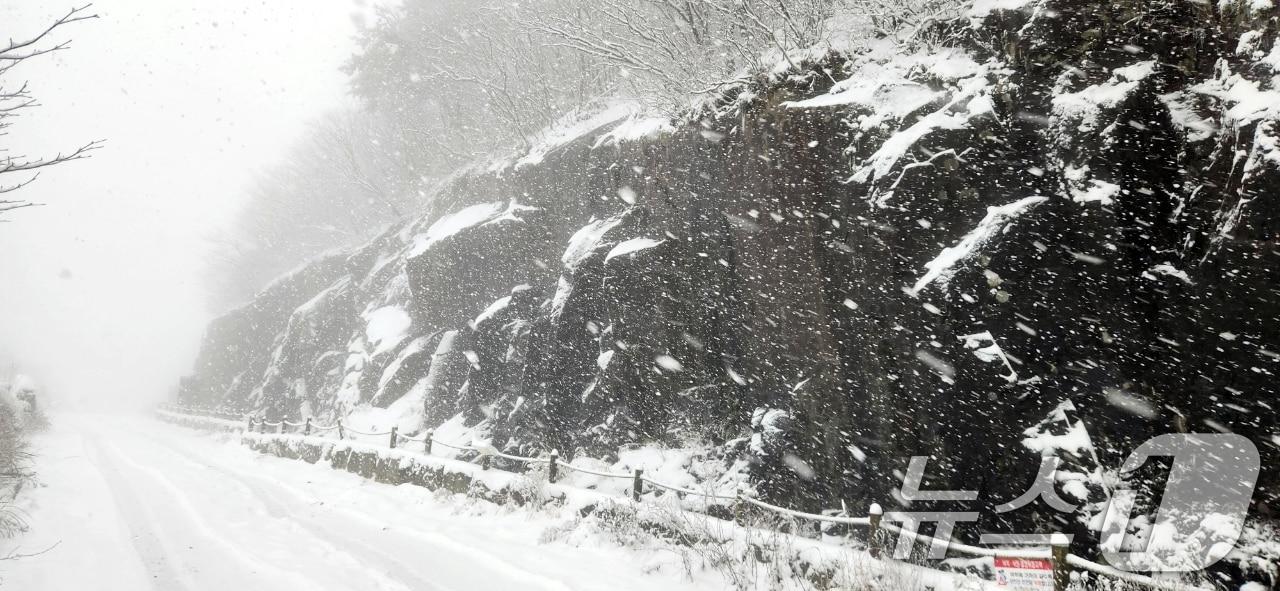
point(1024, 574)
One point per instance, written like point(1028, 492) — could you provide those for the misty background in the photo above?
point(104, 289)
point(247, 139)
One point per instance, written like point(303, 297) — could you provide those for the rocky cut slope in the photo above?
point(1054, 232)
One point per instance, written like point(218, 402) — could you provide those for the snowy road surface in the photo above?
point(131, 503)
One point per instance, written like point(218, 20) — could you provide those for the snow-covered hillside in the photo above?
point(1062, 217)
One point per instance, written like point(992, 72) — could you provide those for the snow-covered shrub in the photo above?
point(748, 558)
point(15, 468)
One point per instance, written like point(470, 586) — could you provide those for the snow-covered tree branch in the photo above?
point(16, 99)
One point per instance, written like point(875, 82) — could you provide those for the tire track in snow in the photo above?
point(110, 456)
point(401, 574)
point(442, 543)
point(140, 521)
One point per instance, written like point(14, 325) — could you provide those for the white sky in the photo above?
point(192, 96)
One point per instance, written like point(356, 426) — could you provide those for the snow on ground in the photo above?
point(132, 503)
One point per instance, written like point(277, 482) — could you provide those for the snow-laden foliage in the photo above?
point(20, 414)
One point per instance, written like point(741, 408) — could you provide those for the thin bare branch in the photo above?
point(10, 165)
point(13, 51)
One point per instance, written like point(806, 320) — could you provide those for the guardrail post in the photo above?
point(426, 442)
point(873, 530)
point(306, 430)
point(637, 485)
point(1060, 545)
point(249, 428)
point(282, 425)
point(484, 461)
point(394, 435)
point(552, 467)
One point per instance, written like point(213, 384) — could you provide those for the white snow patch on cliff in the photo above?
point(1255, 6)
point(414, 347)
point(450, 224)
point(468, 217)
point(1169, 270)
point(585, 241)
point(635, 128)
point(603, 359)
point(1097, 191)
point(385, 328)
point(887, 96)
point(1041, 438)
point(1183, 113)
point(894, 87)
point(1247, 99)
point(497, 306)
point(1083, 108)
point(574, 126)
point(631, 247)
point(985, 348)
point(564, 289)
point(996, 221)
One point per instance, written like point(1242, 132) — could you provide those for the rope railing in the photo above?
point(225, 414)
point(1041, 553)
point(453, 446)
point(690, 492)
point(864, 521)
point(518, 458)
point(367, 434)
point(1062, 560)
point(595, 473)
point(1128, 577)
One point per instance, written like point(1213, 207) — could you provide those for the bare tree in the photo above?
point(675, 49)
point(14, 99)
point(347, 177)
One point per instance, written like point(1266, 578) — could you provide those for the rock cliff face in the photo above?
point(1065, 215)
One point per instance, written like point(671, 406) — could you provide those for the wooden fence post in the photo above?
point(394, 434)
point(342, 434)
point(282, 425)
point(307, 429)
point(1060, 546)
point(426, 443)
point(249, 429)
point(873, 530)
point(552, 467)
point(637, 485)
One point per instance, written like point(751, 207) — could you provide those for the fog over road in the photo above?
point(131, 503)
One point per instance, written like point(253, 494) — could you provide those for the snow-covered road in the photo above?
point(131, 503)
